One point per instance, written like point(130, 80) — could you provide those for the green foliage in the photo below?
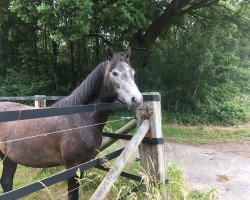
point(201, 76)
point(176, 185)
point(226, 113)
point(66, 19)
point(124, 15)
point(197, 195)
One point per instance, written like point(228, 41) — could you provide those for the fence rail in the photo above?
point(6, 116)
point(32, 98)
point(56, 98)
point(15, 115)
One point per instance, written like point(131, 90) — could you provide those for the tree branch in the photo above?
point(199, 5)
point(108, 4)
point(233, 19)
point(172, 13)
point(200, 17)
point(106, 41)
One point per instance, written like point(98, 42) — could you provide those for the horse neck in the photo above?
point(91, 91)
point(100, 118)
point(88, 91)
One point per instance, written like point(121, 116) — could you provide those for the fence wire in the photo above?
point(65, 130)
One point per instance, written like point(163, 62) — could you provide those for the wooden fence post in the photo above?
point(39, 102)
point(152, 155)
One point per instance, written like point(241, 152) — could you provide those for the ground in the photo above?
point(223, 166)
point(234, 148)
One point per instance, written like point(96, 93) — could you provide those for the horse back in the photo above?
point(10, 106)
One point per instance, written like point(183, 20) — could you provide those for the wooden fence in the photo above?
point(148, 137)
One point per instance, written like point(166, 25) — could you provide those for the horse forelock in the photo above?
point(110, 65)
point(118, 57)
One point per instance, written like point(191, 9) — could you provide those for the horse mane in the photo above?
point(85, 92)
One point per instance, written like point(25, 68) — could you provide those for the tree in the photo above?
point(199, 71)
point(142, 22)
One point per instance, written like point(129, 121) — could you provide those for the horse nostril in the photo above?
point(133, 100)
point(136, 102)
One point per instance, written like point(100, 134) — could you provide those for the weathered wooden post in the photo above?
point(152, 155)
point(40, 102)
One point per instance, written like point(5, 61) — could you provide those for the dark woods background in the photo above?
point(195, 52)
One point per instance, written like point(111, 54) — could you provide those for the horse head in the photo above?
point(120, 79)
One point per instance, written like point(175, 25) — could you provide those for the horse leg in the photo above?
point(73, 187)
point(9, 169)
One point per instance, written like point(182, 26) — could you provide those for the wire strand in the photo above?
point(54, 132)
point(62, 195)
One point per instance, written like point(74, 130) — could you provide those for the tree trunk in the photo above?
point(45, 40)
point(97, 44)
point(72, 62)
point(55, 51)
point(140, 52)
point(176, 107)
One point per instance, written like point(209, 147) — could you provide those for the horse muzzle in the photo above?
point(136, 102)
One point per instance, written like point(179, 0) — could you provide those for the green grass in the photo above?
point(205, 134)
point(112, 127)
point(27, 175)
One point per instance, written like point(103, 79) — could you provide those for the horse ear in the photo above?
point(110, 53)
point(128, 53)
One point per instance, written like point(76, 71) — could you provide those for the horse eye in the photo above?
point(115, 73)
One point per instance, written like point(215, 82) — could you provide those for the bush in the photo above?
point(229, 113)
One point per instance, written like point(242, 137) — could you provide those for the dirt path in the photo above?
point(225, 167)
point(242, 149)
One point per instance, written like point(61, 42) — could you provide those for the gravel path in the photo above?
point(225, 167)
